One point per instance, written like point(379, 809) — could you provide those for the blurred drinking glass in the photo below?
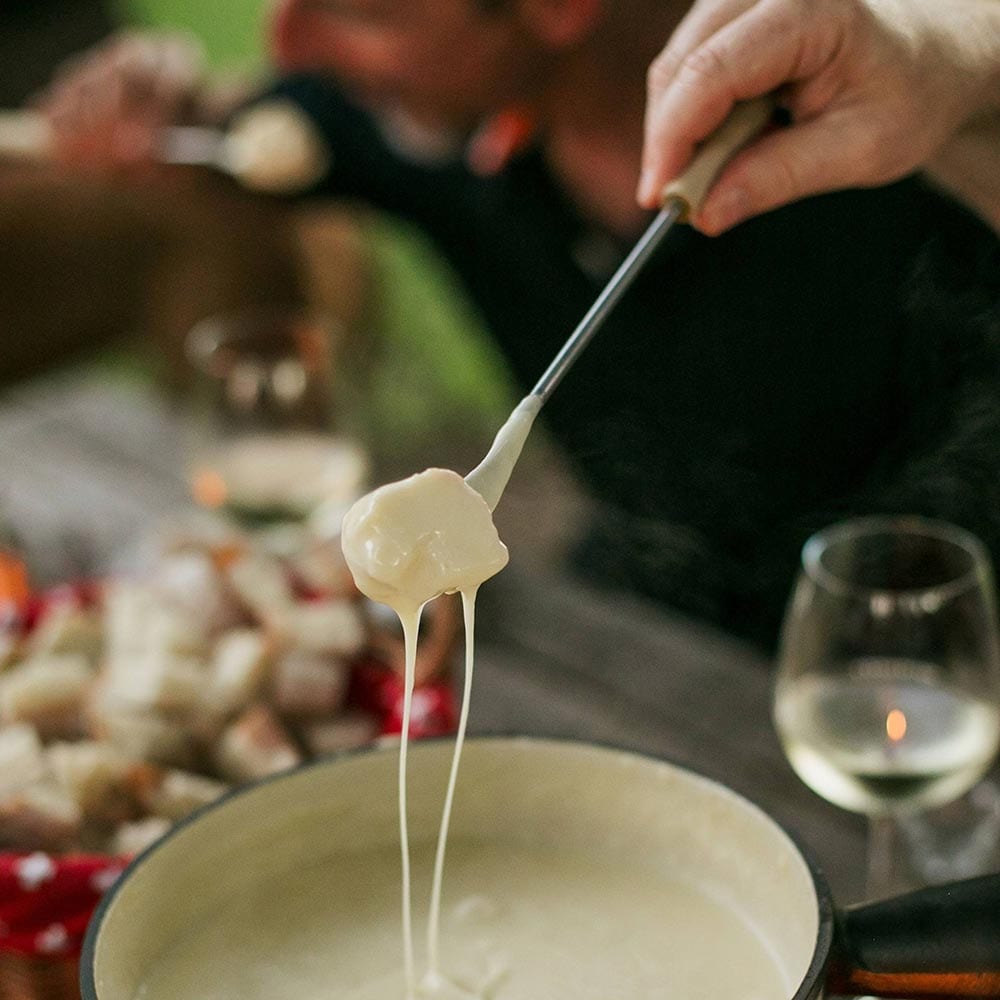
point(887, 699)
point(263, 442)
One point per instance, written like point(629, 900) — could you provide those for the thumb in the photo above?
point(825, 154)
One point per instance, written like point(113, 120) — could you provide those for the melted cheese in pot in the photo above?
point(519, 922)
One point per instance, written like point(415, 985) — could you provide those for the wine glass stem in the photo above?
point(880, 880)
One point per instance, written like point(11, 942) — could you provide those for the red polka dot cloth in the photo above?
point(45, 902)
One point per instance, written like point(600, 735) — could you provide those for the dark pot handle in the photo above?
point(943, 941)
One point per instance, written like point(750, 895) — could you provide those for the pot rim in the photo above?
point(811, 979)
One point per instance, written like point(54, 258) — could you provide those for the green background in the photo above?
point(231, 30)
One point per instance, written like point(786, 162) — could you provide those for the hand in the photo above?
point(873, 87)
point(107, 107)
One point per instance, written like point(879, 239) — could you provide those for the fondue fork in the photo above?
point(680, 198)
point(26, 135)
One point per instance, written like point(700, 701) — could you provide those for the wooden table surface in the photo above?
point(89, 466)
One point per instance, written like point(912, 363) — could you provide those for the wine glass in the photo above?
point(887, 697)
point(263, 445)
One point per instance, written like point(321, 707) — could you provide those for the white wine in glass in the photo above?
point(887, 698)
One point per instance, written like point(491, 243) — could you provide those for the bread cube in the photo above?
point(95, 776)
point(137, 618)
point(190, 581)
point(22, 761)
point(49, 692)
point(175, 794)
point(334, 627)
point(127, 607)
point(155, 678)
point(133, 838)
point(308, 685)
point(321, 566)
point(65, 627)
point(237, 671)
point(346, 732)
point(10, 643)
point(180, 631)
point(261, 583)
point(254, 746)
point(144, 735)
point(39, 817)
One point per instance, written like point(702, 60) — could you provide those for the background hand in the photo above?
point(106, 107)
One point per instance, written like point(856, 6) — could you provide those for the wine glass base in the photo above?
point(956, 841)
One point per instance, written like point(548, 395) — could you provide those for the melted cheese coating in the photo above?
point(274, 147)
point(430, 534)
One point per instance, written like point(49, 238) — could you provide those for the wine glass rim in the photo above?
point(235, 327)
point(914, 525)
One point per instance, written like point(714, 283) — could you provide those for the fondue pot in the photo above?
point(938, 942)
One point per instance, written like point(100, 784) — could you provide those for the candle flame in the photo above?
point(895, 725)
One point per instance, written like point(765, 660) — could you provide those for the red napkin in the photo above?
point(379, 690)
point(46, 902)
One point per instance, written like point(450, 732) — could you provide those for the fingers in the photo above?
point(106, 108)
point(807, 159)
point(768, 45)
point(702, 21)
point(704, 87)
point(162, 72)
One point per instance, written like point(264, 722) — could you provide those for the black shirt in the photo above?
point(833, 358)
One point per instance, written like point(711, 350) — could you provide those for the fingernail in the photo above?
point(644, 193)
point(727, 210)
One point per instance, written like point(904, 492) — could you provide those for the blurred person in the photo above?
point(876, 90)
point(833, 357)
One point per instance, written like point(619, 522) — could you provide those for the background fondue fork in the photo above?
point(244, 151)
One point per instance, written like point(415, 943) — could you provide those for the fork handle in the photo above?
point(744, 123)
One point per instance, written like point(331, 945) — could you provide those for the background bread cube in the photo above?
point(175, 794)
point(155, 678)
point(146, 736)
point(22, 760)
point(335, 627)
point(307, 684)
point(138, 618)
point(254, 746)
point(262, 585)
point(133, 838)
point(321, 566)
point(95, 776)
point(190, 581)
point(238, 669)
point(49, 692)
point(346, 732)
point(39, 817)
point(65, 627)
